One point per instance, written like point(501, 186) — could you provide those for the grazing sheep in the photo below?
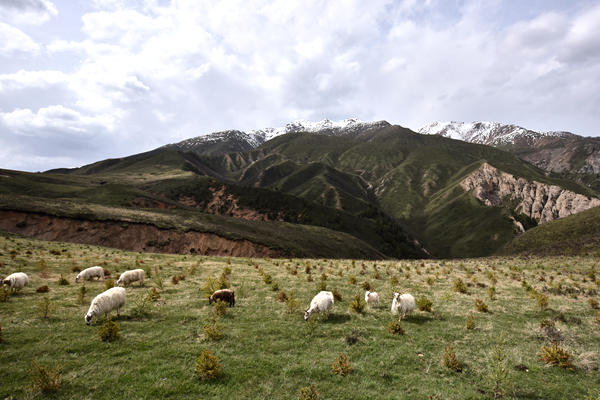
point(226, 295)
point(403, 304)
point(89, 273)
point(320, 303)
point(105, 302)
point(128, 277)
point(371, 298)
point(16, 281)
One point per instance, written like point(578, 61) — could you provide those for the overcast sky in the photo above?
point(86, 80)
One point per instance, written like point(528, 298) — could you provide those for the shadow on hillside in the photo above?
point(417, 319)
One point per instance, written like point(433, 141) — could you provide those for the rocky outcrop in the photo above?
point(130, 237)
point(537, 200)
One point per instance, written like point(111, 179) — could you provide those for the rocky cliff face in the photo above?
point(537, 200)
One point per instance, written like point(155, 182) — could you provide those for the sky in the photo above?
point(87, 80)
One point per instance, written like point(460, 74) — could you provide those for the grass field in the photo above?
point(268, 352)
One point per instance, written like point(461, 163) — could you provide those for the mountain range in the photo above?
point(390, 191)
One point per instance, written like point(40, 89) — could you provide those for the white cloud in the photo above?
point(27, 79)
point(14, 41)
point(27, 11)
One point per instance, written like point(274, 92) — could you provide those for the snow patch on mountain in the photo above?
point(489, 133)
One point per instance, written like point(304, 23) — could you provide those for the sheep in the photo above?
point(105, 302)
point(226, 295)
point(16, 281)
point(403, 304)
point(372, 297)
point(128, 277)
point(320, 303)
point(89, 273)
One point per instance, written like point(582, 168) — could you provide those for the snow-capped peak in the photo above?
point(302, 125)
point(490, 133)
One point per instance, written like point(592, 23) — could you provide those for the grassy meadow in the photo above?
point(268, 351)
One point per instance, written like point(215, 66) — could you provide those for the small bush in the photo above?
point(498, 369)
point(310, 326)
point(424, 304)
point(358, 304)
point(481, 306)
point(292, 303)
point(492, 293)
point(153, 294)
point(43, 289)
point(175, 280)
point(81, 295)
point(353, 337)
point(337, 296)
point(322, 285)
point(267, 279)
point(547, 323)
point(109, 331)
point(44, 380)
point(207, 366)
point(281, 297)
point(395, 328)
point(556, 356)
point(309, 393)
point(141, 307)
point(213, 330)
point(342, 366)
point(76, 269)
point(4, 294)
point(109, 284)
point(108, 273)
point(352, 279)
point(430, 281)
point(62, 281)
point(220, 308)
point(46, 308)
point(449, 359)
point(366, 285)
point(459, 286)
point(470, 324)
point(594, 304)
point(542, 301)
point(394, 281)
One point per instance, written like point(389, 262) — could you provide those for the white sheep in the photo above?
point(105, 302)
point(128, 277)
point(89, 273)
point(16, 281)
point(403, 304)
point(372, 297)
point(320, 303)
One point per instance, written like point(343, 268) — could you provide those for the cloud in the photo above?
point(27, 11)
point(14, 41)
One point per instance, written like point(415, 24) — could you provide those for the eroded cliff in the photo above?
point(537, 200)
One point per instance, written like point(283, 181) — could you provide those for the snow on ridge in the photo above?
point(487, 132)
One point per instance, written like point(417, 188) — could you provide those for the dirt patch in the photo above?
point(130, 237)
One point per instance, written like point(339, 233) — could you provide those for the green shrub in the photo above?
point(556, 356)
point(352, 279)
point(358, 304)
point(366, 285)
point(481, 306)
point(292, 302)
point(322, 285)
point(76, 269)
point(81, 295)
point(141, 307)
point(395, 328)
point(267, 279)
point(593, 304)
point(430, 281)
point(46, 308)
point(109, 284)
point(309, 393)
point(424, 304)
point(213, 330)
point(394, 281)
point(109, 331)
point(449, 359)
point(342, 366)
point(337, 296)
point(153, 294)
point(4, 294)
point(220, 308)
point(44, 380)
point(470, 324)
point(542, 301)
point(62, 281)
point(547, 323)
point(498, 369)
point(459, 286)
point(207, 366)
point(492, 293)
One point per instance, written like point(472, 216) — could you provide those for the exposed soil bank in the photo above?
point(129, 236)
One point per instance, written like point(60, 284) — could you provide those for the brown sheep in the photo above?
point(226, 295)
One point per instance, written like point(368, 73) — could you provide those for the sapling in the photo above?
point(498, 368)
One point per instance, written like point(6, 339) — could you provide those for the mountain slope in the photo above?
point(552, 150)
